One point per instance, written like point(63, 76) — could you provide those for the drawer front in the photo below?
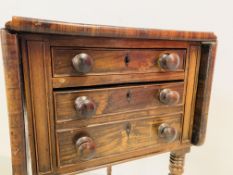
point(94, 144)
point(112, 61)
point(85, 104)
point(84, 67)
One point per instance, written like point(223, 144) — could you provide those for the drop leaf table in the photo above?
point(81, 97)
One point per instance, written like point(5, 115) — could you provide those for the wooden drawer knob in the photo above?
point(84, 106)
point(85, 147)
point(169, 97)
point(167, 132)
point(82, 63)
point(169, 61)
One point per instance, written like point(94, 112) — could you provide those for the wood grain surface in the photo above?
point(114, 100)
point(35, 55)
point(124, 84)
point(14, 91)
point(112, 139)
point(205, 77)
point(191, 79)
point(112, 61)
point(22, 24)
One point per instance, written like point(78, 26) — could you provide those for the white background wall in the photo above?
point(216, 156)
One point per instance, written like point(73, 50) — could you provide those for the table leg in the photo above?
point(109, 170)
point(177, 159)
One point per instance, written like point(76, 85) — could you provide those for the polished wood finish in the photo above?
point(116, 79)
point(115, 100)
point(167, 132)
point(82, 63)
point(39, 103)
point(168, 96)
point(84, 106)
point(114, 61)
point(56, 27)
point(203, 93)
point(14, 91)
point(82, 96)
point(114, 139)
point(169, 61)
point(85, 147)
point(135, 114)
point(118, 72)
point(192, 71)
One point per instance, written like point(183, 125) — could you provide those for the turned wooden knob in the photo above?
point(82, 63)
point(167, 132)
point(84, 106)
point(169, 61)
point(169, 97)
point(85, 148)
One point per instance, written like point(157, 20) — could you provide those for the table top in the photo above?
point(22, 24)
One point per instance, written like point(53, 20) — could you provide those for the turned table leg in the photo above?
point(177, 159)
point(109, 170)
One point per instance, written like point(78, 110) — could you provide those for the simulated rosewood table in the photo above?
point(83, 96)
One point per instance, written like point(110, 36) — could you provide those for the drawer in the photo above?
point(83, 67)
point(108, 142)
point(92, 103)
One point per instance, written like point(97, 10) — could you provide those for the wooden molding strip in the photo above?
point(22, 24)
